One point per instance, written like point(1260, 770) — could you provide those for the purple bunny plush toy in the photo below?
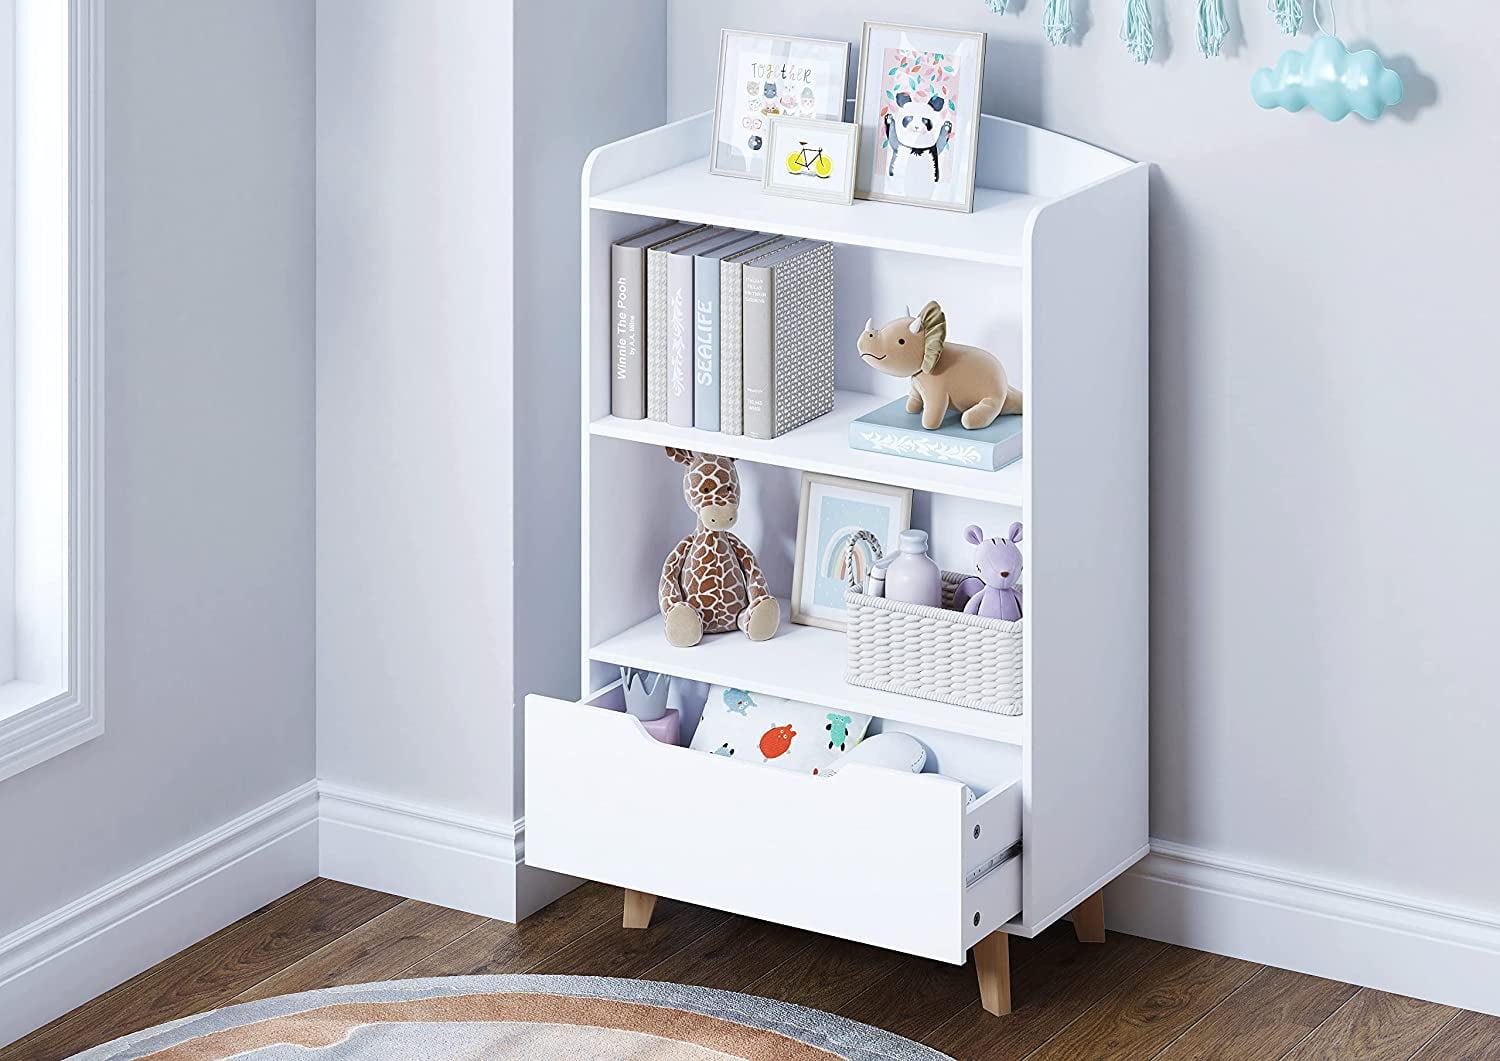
point(998, 562)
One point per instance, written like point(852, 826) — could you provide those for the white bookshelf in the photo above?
point(1050, 272)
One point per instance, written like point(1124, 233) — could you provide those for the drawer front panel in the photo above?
point(871, 855)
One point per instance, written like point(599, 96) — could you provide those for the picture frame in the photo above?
point(765, 75)
point(811, 158)
point(831, 509)
point(917, 103)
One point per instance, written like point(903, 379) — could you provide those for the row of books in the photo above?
point(720, 329)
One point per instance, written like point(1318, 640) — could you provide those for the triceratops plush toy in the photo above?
point(711, 583)
point(993, 593)
point(942, 373)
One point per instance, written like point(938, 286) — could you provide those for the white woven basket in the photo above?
point(935, 653)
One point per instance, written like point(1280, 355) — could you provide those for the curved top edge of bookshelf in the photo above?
point(1118, 161)
point(1013, 156)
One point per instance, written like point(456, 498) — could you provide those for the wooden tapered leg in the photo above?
point(992, 959)
point(1088, 919)
point(638, 909)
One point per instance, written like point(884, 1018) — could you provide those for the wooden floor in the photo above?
point(1129, 998)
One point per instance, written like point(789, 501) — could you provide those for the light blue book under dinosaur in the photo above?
point(891, 429)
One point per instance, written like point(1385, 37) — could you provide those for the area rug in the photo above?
point(464, 1018)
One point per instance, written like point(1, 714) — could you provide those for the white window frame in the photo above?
point(43, 721)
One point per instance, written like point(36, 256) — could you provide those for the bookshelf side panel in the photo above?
point(1086, 337)
point(636, 157)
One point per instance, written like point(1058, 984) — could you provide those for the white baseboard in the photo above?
point(426, 853)
point(1393, 943)
point(88, 946)
point(1176, 894)
point(94, 943)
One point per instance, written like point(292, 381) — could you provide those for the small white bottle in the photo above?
point(875, 580)
point(913, 576)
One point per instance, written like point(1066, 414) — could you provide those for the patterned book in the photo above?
point(627, 370)
point(731, 331)
point(682, 321)
point(891, 429)
point(708, 312)
point(656, 318)
point(788, 338)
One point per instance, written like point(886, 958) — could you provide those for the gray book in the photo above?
point(758, 319)
point(682, 322)
point(731, 334)
point(627, 319)
point(788, 338)
point(657, 321)
point(707, 315)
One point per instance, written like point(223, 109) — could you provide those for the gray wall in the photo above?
point(208, 397)
point(1323, 383)
point(600, 108)
point(448, 503)
point(415, 402)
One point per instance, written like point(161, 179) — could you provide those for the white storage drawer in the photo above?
point(893, 859)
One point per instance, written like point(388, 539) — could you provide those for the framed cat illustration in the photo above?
point(917, 105)
point(762, 76)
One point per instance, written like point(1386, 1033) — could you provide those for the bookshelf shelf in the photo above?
point(994, 234)
point(1050, 272)
point(800, 662)
point(823, 446)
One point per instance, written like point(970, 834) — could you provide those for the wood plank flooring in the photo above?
point(1129, 998)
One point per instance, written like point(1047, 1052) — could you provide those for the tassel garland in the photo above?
point(1057, 23)
point(1136, 31)
point(1288, 15)
point(1213, 27)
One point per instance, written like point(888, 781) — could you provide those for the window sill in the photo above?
point(38, 721)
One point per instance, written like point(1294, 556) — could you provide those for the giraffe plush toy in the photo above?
point(711, 583)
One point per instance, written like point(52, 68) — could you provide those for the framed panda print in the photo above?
point(917, 105)
point(762, 76)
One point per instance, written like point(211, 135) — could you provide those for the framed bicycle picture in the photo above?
point(917, 103)
point(807, 158)
point(762, 76)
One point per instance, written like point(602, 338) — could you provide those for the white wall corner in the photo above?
point(1326, 928)
point(85, 948)
point(431, 854)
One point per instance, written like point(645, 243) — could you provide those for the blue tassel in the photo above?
point(1057, 23)
point(997, 7)
point(1136, 31)
point(1213, 27)
point(1288, 15)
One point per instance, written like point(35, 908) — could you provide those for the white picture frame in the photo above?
point(830, 510)
point(917, 103)
point(805, 77)
point(810, 158)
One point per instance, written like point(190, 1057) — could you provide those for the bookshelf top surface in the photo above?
point(823, 446)
point(995, 233)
